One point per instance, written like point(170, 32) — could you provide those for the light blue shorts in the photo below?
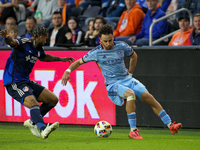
point(116, 90)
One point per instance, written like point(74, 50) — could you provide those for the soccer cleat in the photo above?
point(135, 134)
point(45, 133)
point(33, 128)
point(175, 127)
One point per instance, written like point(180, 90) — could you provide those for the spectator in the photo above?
point(44, 11)
point(30, 25)
point(163, 4)
point(94, 40)
point(86, 3)
point(90, 29)
point(180, 38)
point(57, 33)
point(194, 37)
point(65, 10)
point(192, 5)
point(13, 32)
point(10, 21)
point(18, 8)
point(130, 22)
point(159, 28)
point(76, 34)
point(6, 12)
point(113, 10)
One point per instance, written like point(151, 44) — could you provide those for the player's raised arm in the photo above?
point(133, 61)
point(72, 67)
point(51, 58)
point(9, 40)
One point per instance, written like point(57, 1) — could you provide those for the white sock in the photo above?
point(169, 124)
point(134, 128)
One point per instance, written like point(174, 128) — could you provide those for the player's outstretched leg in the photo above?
point(33, 128)
point(45, 133)
point(160, 112)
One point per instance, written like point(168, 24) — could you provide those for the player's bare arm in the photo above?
point(133, 61)
point(51, 58)
point(9, 40)
point(72, 67)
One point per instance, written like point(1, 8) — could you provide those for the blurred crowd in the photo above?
point(77, 22)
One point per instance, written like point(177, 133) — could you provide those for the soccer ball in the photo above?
point(103, 129)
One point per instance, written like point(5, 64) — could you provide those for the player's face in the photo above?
point(196, 22)
point(184, 25)
point(107, 41)
point(30, 24)
point(152, 4)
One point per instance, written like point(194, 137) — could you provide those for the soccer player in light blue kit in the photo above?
point(119, 82)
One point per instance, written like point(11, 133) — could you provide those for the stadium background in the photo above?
point(171, 74)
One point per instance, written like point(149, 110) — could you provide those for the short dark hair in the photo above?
point(31, 17)
point(56, 12)
point(106, 30)
point(38, 31)
point(102, 19)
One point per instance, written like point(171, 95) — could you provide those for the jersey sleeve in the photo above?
point(21, 43)
point(128, 50)
point(90, 56)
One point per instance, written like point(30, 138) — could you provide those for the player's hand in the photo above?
point(65, 78)
point(4, 33)
point(70, 59)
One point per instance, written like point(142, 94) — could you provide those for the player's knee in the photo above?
point(55, 100)
point(129, 93)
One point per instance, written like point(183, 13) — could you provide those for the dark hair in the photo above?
point(75, 19)
point(91, 20)
point(31, 17)
point(106, 30)
point(38, 31)
point(56, 12)
point(102, 19)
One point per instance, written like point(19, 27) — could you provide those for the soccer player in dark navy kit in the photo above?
point(19, 65)
point(119, 81)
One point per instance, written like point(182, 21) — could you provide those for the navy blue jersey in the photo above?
point(21, 61)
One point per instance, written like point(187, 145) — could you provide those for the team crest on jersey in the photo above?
point(119, 53)
point(25, 89)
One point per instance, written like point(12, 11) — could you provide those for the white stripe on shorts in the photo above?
point(20, 92)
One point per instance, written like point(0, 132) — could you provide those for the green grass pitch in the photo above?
point(13, 136)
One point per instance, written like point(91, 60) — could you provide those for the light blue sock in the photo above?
point(132, 120)
point(164, 117)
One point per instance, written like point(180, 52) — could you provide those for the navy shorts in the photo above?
point(21, 90)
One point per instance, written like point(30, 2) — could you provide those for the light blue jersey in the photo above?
point(111, 62)
point(116, 75)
